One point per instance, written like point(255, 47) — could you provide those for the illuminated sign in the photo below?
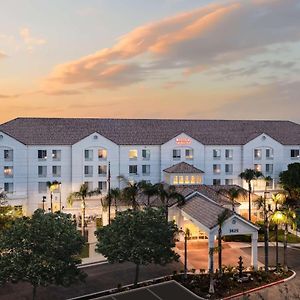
point(183, 141)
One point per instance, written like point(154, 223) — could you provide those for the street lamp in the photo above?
point(186, 234)
point(43, 201)
point(277, 219)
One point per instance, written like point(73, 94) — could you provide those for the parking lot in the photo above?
point(170, 290)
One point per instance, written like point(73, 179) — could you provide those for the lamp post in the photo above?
point(278, 219)
point(43, 201)
point(186, 234)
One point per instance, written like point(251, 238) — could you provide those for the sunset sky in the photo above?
point(192, 59)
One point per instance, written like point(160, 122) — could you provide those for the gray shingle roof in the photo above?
point(64, 131)
point(182, 167)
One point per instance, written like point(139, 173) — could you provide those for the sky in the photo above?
point(190, 59)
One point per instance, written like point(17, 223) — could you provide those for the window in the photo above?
point(8, 171)
point(186, 180)
point(229, 181)
point(89, 185)
point(42, 187)
point(42, 171)
point(102, 185)
point(88, 155)
point(102, 154)
point(56, 155)
point(8, 187)
point(257, 153)
point(229, 154)
point(88, 171)
point(56, 171)
point(102, 170)
point(257, 167)
point(146, 169)
point(8, 155)
point(175, 180)
point(269, 168)
point(42, 154)
point(133, 169)
point(181, 181)
point(133, 154)
point(216, 181)
point(146, 154)
point(228, 168)
point(217, 169)
point(176, 154)
point(269, 153)
point(216, 153)
point(295, 153)
point(189, 154)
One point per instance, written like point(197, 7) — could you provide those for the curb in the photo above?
point(261, 287)
point(92, 264)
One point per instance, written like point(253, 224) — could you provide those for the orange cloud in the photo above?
point(191, 42)
point(29, 40)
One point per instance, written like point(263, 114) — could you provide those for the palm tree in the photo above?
point(52, 186)
point(82, 194)
point(233, 194)
point(149, 190)
point(116, 196)
point(249, 175)
point(131, 192)
point(3, 198)
point(166, 193)
point(221, 220)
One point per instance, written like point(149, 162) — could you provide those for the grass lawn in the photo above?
point(85, 251)
point(291, 238)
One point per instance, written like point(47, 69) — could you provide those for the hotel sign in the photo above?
point(233, 230)
point(183, 141)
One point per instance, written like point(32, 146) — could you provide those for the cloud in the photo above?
point(30, 41)
point(191, 42)
point(2, 55)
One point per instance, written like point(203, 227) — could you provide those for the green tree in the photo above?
point(41, 250)
point(221, 220)
point(233, 194)
point(7, 215)
point(52, 186)
point(167, 193)
point(3, 198)
point(82, 194)
point(149, 190)
point(138, 236)
point(116, 196)
point(249, 175)
point(290, 180)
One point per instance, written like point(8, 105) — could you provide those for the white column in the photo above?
point(254, 250)
point(211, 245)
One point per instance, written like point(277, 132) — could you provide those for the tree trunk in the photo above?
point(220, 250)
point(116, 207)
point(83, 217)
point(185, 256)
point(109, 205)
point(266, 237)
point(276, 243)
point(148, 201)
point(137, 271)
point(167, 213)
point(34, 292)
point(249, 195)
point(285, 267)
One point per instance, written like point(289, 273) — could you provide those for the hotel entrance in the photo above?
point(196, 233)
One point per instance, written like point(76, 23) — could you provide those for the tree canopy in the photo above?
point(290, 180)
point(138, 236)
point(41, 250)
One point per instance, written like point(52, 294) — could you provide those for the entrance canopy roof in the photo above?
point(183, 168)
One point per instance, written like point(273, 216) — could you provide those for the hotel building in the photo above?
point(34, 151)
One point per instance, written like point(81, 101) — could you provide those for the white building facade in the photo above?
point(34, 151)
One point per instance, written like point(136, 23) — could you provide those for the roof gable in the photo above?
point(183, 168)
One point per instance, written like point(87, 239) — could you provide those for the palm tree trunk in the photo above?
point(109, 205)
point(116, 208)
point(276, 244)
point(34, 292)
point(249, 195)
point(220, 250)
point(83, 216)
point(137, 271)
point(266, 240)
point(285, 267)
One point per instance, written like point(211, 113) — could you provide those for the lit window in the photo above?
point(189, 154)
point(216, 181)
point(102, 170)
point(257, 153)
point(229, 181)
point(175, 180)
point(193, 179)
point(8, 187)
point(228, 168)
point(186, 180)
point(198, 179)
point(42, 154)
point(42, 187)
point(56, 171)
point(8, 171)
point(217, 169)
point(88, 155)
point(42, 171)
point(257, 167)
point(133, 169)
point(102, 154)
point(269, 153)
point(146, 154)
point(295, 153)
point(88, 171)
point(269, 168)
point(216, 153)
point(228, 153)
point(56, 155)
point(133, 154)
point(146, 169)
point(102, 185)
point(181, 181)
point(8, 155)
point(176, 154)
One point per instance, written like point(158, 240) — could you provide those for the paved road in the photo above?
point(288, 291)
point(99, 278)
